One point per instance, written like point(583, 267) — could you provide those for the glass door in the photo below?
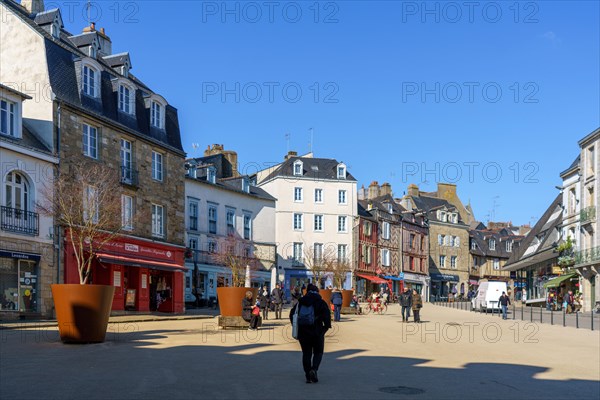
point(27, 286)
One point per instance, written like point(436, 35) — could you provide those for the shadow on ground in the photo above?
point(135, 364)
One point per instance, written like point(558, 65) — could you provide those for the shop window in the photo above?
point(18, 285)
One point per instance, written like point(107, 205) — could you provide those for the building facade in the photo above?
point(94, 110)
point(448, 238)
point(315, 212)
point(27, 257)
point(585, 198)
point(225, 211)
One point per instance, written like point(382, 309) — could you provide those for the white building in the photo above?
point(224, 209)
point(587, 258)
point(27, 256)
point(316, 210)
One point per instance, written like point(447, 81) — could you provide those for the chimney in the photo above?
point(386, 189)
point(373, 190)
point(291, 154)
point(105, 42)
point(362, 193)
point(33, 6)
point(91, 28)
point(413, 190)
point(446, 191)
point(230, 156)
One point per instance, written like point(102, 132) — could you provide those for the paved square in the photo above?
point(455, 354)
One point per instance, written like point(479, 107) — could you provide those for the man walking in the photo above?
point(277, 300)
point(406, 303)
point(337, 300)
point(504, 303)
point(314, 320)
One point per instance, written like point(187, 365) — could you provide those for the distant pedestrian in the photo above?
point(568, 302)
point(504, 303)
point(417, 304)
point(406, 303)
point(265, 303)
point(277, 300)
point(337, 300)
point(255, 319)
point(296, 295)
point(314, 320)
point(247, 307)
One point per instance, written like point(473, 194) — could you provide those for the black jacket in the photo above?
point(504, 300)
point(336, 298)
point(322, 316)
point(406, 299)
point(277, 296)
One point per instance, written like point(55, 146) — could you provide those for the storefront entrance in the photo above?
point(18, 282)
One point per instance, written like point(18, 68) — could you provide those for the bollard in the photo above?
point(564, 318)
point(577, 320)
point(531, 312)
point(521, 312)
point(513, 312)
point(551, 316)
point(592, 313)
point(541, 314)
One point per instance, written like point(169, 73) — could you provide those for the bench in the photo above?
point(235, 322)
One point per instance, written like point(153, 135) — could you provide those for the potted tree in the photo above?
point(237, 256)
point(339, 268)
point(319, 266)
point(85, 201)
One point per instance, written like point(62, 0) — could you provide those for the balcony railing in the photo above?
point(587, 256)
point(129, 176)
point(587, 215)
point(19, 221)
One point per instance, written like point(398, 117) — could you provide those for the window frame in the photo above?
point(12, 115)
point(127, 224)
point(345, 224)
point(319, 198)
point(298, 221)
point(318, 227)
point(90, 79)
point(87, 141)
point(298, 195)
point(213, 218)
point(193, 218)
point(126, 107)
point(247, 226)
point(158, 221)
point(157, 174)
point(386, 230)
point(342, 193)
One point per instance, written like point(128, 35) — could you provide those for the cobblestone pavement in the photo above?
point(453, 354)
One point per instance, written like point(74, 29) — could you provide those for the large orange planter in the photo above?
point(347, 297)
point(326, 295)
point(82, 311)
point(230, 300)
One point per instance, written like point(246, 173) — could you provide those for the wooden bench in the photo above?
point(348, 310)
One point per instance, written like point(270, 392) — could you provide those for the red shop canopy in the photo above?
point(372, 278)
point(139, 262)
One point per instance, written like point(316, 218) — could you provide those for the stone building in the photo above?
point(448, 221)
point(93, 109)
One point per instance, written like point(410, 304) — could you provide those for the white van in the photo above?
point(487, 295)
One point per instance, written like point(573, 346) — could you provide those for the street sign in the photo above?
point(401, 275)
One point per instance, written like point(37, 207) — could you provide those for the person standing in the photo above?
point(504, 303)
point(312, 335)
point(265, 301)
point(296, 295)
point(337, 300)
point(406, 303)
point(277, 300)
point(568, 299)
point(417, 304)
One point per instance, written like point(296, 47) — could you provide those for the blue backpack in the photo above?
point(306, 315)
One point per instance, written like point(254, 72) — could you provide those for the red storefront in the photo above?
point(148, 276)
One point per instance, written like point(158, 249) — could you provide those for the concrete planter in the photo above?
point(230, 300)
point(82, 311)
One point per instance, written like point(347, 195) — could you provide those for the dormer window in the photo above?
point(298, 168)
point(93, 50)
point(125, 70)
point(90, 81)
point(492, 244)
point(156, 114)
point(126, 99)
point(246, 185)
point(55, 29)
point(212, 175)
point(341, 171)
point(8, 118)
point(390, 208)
point(442, 216)
point(454, 218)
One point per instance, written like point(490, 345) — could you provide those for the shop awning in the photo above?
point(139, 262)
point(392, 278)
point(553, 283)
point(372, 278)
point(444, 277)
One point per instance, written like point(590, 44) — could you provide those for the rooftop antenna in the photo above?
point(88, 7)
point(287, 139)
point(311, 140)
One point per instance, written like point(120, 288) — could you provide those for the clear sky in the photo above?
point(492, 96)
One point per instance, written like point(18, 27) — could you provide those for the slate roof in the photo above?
point(326, 168)
point(544, 235)
point(572, 167)
point(363, 213)
point(431, 204)
point(84, 39)
point(63, 58)
point(28, 140)
point(235, 185)
point(482, 239)
point(46, 17)
point(117, 60)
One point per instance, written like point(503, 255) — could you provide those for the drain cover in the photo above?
point(401, 390)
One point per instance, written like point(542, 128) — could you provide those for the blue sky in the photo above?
point(493, 98)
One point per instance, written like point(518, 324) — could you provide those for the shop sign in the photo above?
point(20, 256)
